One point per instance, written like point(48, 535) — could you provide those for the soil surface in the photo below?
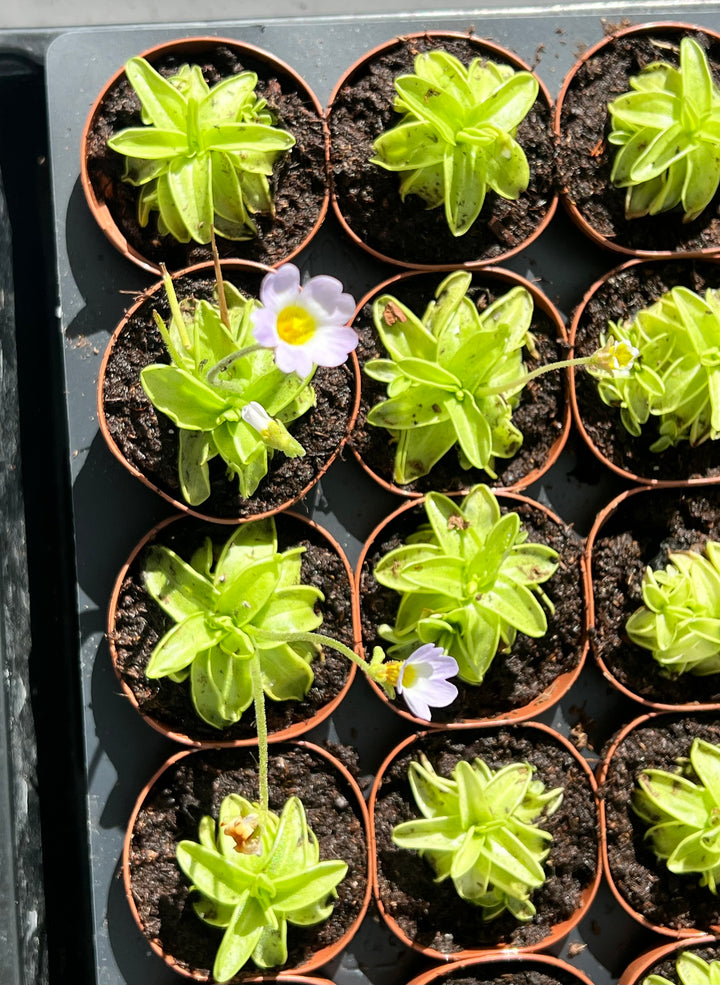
point(585, 159)
point(196, 786)
point(512, 974)
point(620, 298)
point(148, 440)
point(298, 182)
point(517, 677)
point(140, 623)
point(648, 886)
point(666, 968)
point(431, 913)
point(368, 196)
point(540, 415)
point(644, 531)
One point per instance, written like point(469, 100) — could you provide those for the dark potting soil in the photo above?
point(298, 182)
point(585, 159)
point(432, 914)
point(642, 532)
point(512, 974)
point(368, 196)
point(140, 623)
point(196, 786)
point(149, 440)
point(517, 677)
point(620, 298)
point(646, 883)
point(540, 415)
point(666, 967)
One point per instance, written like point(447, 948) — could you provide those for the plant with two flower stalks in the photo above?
point(468, 581)
point(456, 139)
point(203, 157)
point(480, 828)
point(691, 970)
point(667, 131)
point(240, 371)
point(455, 375)
point(675, 375)
point(682, 810)
point(680, 619)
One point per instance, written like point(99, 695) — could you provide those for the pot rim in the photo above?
point(286, 734)
point(560, 930)
point(545, 700)
point(249, 267)
point(547, 962)
point(504, 277)
point(637, 968)
point(577, 314)
point(568, 204)
point(683, 934)
point(95, 201)
point(323, 956)
point(600, 520)
point(494, 49)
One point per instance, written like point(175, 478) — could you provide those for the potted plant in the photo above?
point(448, 894)
point(497, 969)
point(208, 134)
point(200, 814)
point(645, 610)
point(677, 962)
point(215, 399)
point(411, 121)
point(183, 652)
point(496, 582)
point(657, 422)
point(651, 763)
point(634, 120)
point(464, 408)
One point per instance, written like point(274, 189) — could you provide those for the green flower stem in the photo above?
point(175, 308)
point(227, 362)
point(222, 302)
point(315, 638)
point(490, 391)
point(261, 726)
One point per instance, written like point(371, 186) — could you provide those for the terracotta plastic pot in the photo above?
point(649, 962)
point(146, 443)
point(671, 905)
point(136, 623)
point(536, 673)
point(428, 916)
point(504, 967)
point(617, 296)
point(192, 784)
point(300, 176)
point(585, 159)
point(543, 414)
point(366, 198)
point(638, 528)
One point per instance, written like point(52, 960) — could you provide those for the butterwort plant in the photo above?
point(241, 371)
point(456, 139)
point(691, 969)
point(667, 133)
point(679, 621)
point(682, 812)
point(203, 156)
point(468, 582)
point(480, 828)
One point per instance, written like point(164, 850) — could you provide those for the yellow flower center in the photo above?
point(389, 673)
point(295, 325)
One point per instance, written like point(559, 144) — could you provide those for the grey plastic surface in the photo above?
point(112, 510)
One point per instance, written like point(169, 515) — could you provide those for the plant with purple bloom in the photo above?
point(422, 679)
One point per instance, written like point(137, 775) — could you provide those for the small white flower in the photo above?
point(273, 432)
point(306, 326)
point(617, 357)
point(423, 680)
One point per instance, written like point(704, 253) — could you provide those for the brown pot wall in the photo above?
point(566, 631)
point(288, 95)
point(390, 883)
point(617, 295)
point(350, 815)
point(543, 408)
point(504, 966)
point(581, 124)
point(640, 967)
point(324, 429)
point(136, 622)
point(357, 182)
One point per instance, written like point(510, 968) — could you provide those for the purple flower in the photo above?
point(423, 680)
point(306, 326)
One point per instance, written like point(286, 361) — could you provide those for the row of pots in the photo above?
point(361, 191)
point(425, 915)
